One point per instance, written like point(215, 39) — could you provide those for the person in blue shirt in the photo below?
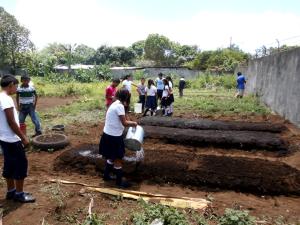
point(241, 81)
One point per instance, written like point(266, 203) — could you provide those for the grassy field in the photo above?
point(203, 98)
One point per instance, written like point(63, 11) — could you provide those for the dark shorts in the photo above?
point(159, 94)
point(112, 147)
point(15, 161)
point(151, 102)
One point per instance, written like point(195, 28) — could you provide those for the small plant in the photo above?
point(57, 195)
point(169, 215)
point(236, 217)
point(93, 219)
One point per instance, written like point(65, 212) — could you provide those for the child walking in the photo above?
point(141, 89)
point(110, 92)
point(151, 93)
point(26, 102)
point(13, 142)
point(111, 144)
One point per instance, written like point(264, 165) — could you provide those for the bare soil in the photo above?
point(45, 103)
point(43, 166)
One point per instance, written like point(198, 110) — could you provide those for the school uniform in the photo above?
point(151, 97)
point(142, 91)
point(15, 161)
point(165, 95)
point(111, 144)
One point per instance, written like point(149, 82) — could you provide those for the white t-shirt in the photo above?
point(151, 91)
point(127, 84)
point(170, 85)
point(165, 91)
point(113, 125)
point(6, 133)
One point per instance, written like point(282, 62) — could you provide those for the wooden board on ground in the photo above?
point(179, 202)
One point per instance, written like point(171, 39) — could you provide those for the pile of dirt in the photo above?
point(205, 124)
point(164, 166)
point(218, 138)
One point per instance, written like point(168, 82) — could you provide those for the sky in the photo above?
point(210, 24)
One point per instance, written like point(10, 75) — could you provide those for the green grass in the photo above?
point(214, 100)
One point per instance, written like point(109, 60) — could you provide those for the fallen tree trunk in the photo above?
point(224, 139)
point(204, 124)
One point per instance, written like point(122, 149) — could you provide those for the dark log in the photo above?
point(224, 139)
point(204, 124)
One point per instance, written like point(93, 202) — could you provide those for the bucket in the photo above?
point(138, 108)
point(134, 138)
point(23, 128)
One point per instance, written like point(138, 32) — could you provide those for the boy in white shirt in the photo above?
point(13, 142)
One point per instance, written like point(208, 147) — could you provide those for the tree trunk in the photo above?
point(204, 124)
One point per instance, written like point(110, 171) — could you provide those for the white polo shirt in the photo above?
point(113, 125)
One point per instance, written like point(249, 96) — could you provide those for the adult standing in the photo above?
point(241, 81)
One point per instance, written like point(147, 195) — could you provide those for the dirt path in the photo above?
point(65, 204)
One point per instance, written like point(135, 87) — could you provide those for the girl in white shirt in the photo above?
point(171, 96)
point(111, 144)
point(151, 92)
point(165, 103)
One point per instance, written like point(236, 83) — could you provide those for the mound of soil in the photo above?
point(225, 139)
point(86, 160)
point(205, 124)
point(163, 166)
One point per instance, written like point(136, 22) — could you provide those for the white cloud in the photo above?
point(89, 22)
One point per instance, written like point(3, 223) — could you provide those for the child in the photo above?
point(181, 86)
point(151, 97)
point(26, 103)
point(141, 89)
point(171, 96)
point(110, 92)
point(111, 144)
point(165, 96)
point(241, 81)
point(12, 142)
point(127, 82)
point(159, 85)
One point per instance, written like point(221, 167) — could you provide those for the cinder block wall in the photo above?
point(276, 80)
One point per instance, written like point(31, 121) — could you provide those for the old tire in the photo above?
point(50, 141)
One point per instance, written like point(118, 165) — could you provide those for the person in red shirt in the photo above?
point(110, 92)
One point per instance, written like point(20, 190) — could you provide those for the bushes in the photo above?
point(211, 81)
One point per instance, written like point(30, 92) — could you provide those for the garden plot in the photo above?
point(197, 166)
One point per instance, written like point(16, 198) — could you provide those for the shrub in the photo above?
point(236, 217)
point(59, 78)
point(137, 75)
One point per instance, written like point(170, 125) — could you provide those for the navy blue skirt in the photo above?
point(112, 147)
point(151, 102)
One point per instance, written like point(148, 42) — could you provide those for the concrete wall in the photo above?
point(153, 72)
point(276, 80)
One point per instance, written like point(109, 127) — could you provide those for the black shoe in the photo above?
point(124, 184)
point(10, 195)
point(119, 179)
point(24, 198)
point(37, 134)
point(107, 171)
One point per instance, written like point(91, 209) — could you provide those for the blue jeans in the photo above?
point(28, 109)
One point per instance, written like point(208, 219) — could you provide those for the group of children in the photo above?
point(160, 90)
point(156, 94)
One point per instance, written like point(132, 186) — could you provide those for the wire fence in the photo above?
point(277, 46)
